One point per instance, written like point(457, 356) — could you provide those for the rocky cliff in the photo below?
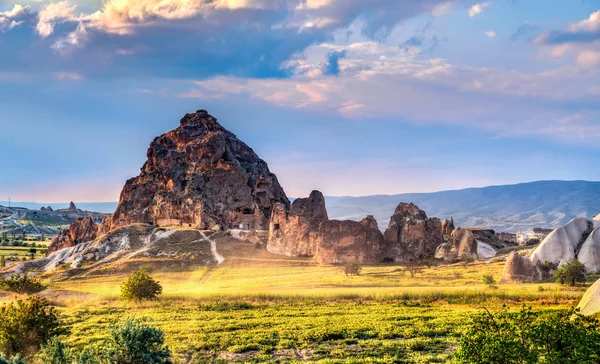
point(295, 233)
point(83, 230)
point(411, 234)
point(344, 241)
point(200, 175)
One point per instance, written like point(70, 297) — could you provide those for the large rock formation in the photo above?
point(462, 243)
point(519, 269)
point(295, 233)
point(590, 302)
point(411, 234)
point(200, 175)
point(577, 239)
point(344, 241)
point(82, 230)
point(448, 226)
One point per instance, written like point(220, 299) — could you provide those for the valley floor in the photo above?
point(257, 307)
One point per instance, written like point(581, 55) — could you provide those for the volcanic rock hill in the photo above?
point(199, 175)
point(81, 231)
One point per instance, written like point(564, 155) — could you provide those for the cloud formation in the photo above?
point(13, 18)
point(478, 8)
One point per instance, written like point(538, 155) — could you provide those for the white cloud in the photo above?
point(54, 13)
point(443, 8)
point(490, 33)
point(478, 8)
point(68, 76)
point(12, 18)
point(590, 24)
point(589, 58)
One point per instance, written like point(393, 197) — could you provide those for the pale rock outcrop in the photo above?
point(448, 226)
point(462, 243)
point(411, 234)
point(343, 241)
point(589, 255)
point(295, 233)
point(200, 175)
point(83, 230)
point(519, 269)
point(590, 302)
point(570, 241)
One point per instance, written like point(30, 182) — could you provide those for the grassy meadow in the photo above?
point(265, 309)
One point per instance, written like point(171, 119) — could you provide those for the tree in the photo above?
point(570, 273)
point(564, 336)
point(140, 286)
point(27, 325)
point(489, 280)
point(55, 352)
point(413, 267)
point(32, 252)
point(352, 267)
point(2, 261)
point(132, 342)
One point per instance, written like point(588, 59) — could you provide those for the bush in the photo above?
point(27, 325)
point(55, 352)
point(570, 273)
point(489, 280)
point(21, 283)
point(547, 268)
point(132, 342)
point(140, 286)
point(531, 337)
point(352, 268)
point(16, 360)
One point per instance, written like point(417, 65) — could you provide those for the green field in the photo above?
point(263, 309)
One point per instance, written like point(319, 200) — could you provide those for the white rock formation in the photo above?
point(590, 302)
point(567, 242)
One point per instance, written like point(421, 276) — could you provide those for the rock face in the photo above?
point(411, 234)
point(295, 233)
point(577, 239)
point(72, 207)
point(448, 226)
point(81, 231)
point(462, 242)
point(519, 269)
point(200, 175)
point(590, 302)
point(343, 241)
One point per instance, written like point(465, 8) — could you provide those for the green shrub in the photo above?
point(140, 286)
point(55, 352)
point(489, 280)
point(27, 325)
point(132, 342)
point(21, 283)
point(16, 360)
point(531, 337)
point(570, 273)
point(352, 267)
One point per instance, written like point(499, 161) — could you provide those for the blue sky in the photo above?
point(352, 97)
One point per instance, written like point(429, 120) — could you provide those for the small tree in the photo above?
point(352, 267)
point(21, 283)
point(2, 261)
point(16, 360)
point(32, 252)
point(489, 280)
point(140, 286)
point(413, 267)
point(27, 325)
point(55, 352)
point(132, 342)
point(547, 268)
point(570, 273)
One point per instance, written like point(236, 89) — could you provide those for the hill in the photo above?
point(508, 208)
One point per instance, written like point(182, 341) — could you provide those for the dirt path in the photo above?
point(213, 248)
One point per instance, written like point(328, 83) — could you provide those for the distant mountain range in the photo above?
point(509, 208)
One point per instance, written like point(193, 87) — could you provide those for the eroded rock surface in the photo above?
point(295, 233)
point(448, 226)
point(344, 241)
point(519, 269)
point(200, 175)
point(81, 231)
point(411, 234)
point(462, 242)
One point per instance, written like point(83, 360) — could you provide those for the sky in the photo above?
point(351, 97)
